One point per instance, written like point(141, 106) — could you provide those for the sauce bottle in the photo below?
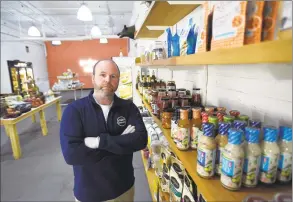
point(222, 141)
point(174, 123)
point(252, 157)
point(183, 131)
point(284, 174)
point(270, 155)
point(232, 161)
point(206, 152)
point(195, 126)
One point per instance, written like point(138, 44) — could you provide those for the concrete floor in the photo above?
point(42, 174)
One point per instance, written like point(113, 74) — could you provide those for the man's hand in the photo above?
point(92, 142)
point(129, 129)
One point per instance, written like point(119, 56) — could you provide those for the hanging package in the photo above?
point(175, 44)
point(169, 42)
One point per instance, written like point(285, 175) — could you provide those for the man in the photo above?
point(98, 136)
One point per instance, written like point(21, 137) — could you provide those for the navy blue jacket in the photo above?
point(107, 172)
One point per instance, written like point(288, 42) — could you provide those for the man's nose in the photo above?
point(108, 78)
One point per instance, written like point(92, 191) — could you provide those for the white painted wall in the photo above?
point(262, 91)
point(17, 51)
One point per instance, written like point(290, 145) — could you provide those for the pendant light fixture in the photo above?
point(84, 13)
point(56, 43)
point(96, 31)
point(103, 40)
point(33, 31)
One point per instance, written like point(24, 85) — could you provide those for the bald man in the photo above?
point(98, 136)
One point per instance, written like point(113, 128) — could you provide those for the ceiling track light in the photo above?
point(84, 13)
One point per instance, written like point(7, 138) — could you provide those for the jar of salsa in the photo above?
point(196, 99)
point(181, 92)
point(162, 84)
point(166, 118)
point(165, 103)
point(154, 96)
point(171, 85)
point(174, 102)
point(161, 93)
point(184, 101)
point(171, 93)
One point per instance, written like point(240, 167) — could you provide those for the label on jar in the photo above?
point(285, 167)
point(231, 174)
point(219, 160)
point(183, 138)
point(194, 135)
point(155, 108)
point(174, 128)
point(206, 162)
point(170, 87)
point(251, 170)
point(268, 168)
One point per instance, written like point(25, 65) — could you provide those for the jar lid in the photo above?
point(174, 98)
point(173, 90)
point(213, 118)
point(195, 88)
point(161, 90)
point(270, 133)
point(165, 98)
point(196, 109)
point(224, 128)
point(229, 118)
point(154, 91)
point(181, 89)
point(235, 136)
point(208, 129)
point(286, 133)
point(169, 110)
point(171, 82)
point(252, 134)
point(244, 117)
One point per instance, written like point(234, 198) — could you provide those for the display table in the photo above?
point(68, 90)
point(211, 189)
point(10, 124)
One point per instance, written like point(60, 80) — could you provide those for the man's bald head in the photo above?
point(100, 61)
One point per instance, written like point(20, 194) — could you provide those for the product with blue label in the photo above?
point(169, 42)
point(270, 155)
point(232, 160)
point(252, 158)
point(284, 174)
point(175, 44)
point(238, 124)
point(206, 152)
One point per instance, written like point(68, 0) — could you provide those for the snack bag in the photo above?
point(201, 42)
point(228, 24)
point(270, 18)
point(254, 15)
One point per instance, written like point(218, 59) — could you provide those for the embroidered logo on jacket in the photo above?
point(121, 121)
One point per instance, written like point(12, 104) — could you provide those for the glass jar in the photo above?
point(195, 126)
point(161, 93)
point(171, 93)
point(163, 84)
point(166, 118)
point(154, 96)
point(174, 123)
point(196, 99)
point(174, 102)
point(148, 95)
point(184, 101)
point(183, 131)
point(181, 92)
point(171, 85)
point(165, 103)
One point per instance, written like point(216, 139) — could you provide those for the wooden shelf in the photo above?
point(211, 189)
point(278, 51)
point(161, 13)
point(151, 176)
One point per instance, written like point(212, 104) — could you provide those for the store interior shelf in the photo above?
point(278, 51)
point(151, 176)
point(210, 188)
point(161, 13)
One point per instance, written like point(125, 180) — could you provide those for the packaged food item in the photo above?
point(284, 174)
point(174, 102)
point(254, 123)
point(282, 197)
point(195, 126)
point(252, 157)
point(220, 116)
point(254, 16)
point(228, 24)
point(171, 85)
point(206, 152)
point(169, 42)
point(196, 98)
point(204, 117)
point(244, 118)
point(189, 189)
point(183, 131)
point(209, 109)
point(221, 141)
point(238, 124)
point(232, 161)
point(234, 113)
point(166, 118)
point(176, 179)
point(214, 120)
point(166, 163)
point(270, 155)
point(253, 198)
point(270, 20)
point(188, 38)
point(175, 44)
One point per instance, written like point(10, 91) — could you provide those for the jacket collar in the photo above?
point(117, 101)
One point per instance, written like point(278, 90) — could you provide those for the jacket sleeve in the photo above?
point(127, 143)
point(72, 140)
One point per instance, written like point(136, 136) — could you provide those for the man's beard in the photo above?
point(105, 89)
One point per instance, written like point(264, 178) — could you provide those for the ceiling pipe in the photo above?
point(78, 38)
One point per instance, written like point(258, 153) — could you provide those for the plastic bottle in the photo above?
point(206, 152)
point(174, 122)
point(195, 126)
point(222, 141)
point(232, 161)
point(270, 155)
point(183, 131)
point(252, 158)
point(284, 173)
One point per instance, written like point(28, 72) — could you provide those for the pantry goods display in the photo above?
point(228, 144)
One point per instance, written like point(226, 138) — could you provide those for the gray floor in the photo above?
point(41, 174)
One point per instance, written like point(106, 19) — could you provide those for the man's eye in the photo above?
point(103, 75)
point(114, 76)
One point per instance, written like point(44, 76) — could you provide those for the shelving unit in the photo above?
point(278, 51)
point(161, 13)
point(211, 189)
point(151, 176)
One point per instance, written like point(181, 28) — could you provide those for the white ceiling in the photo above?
point(58, 18)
